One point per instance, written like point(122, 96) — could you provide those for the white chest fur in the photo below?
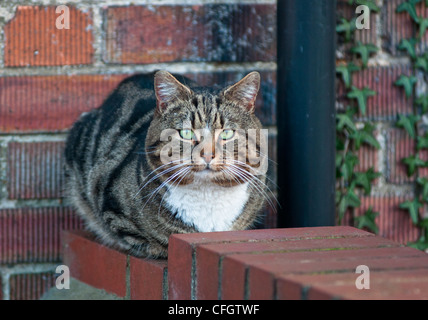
point(206, 206)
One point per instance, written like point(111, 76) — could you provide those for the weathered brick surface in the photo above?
point(35, 170)
point(32, 38)
point(184, 248)
point(50, 103)
point(148, 279)
point(30, 286)
point(33, 234)
point(94, 264)
point(399, 146)
point(394, 284)
point(217, 32)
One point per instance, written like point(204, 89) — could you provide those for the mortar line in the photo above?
point(113, 69)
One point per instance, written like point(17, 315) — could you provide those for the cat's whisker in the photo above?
point(163, 184)
point(183, 174)
point(161, 173)
point(251, 183)
point(266, 156)
point(164, 165)
point(245, 175)
point(249, 167)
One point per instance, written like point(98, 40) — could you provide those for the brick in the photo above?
point(148, 279)
point(53, 103)
point(368, 157)
point(214, 32)
point(33, 234)
point(182, 250)
point(399, 146)
point(393, 223)
point(393, 285)
point(381, 262)
point(389, 100)
point(35, 170)
point(210, 256)
point(263, 276)
point(236, 270)
point(93, 263)
point(50, 103)
point(32, 39)
point(256, 272)
point(30, 286)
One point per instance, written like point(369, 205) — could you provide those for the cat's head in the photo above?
point(204, 134)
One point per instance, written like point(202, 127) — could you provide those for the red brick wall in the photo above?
point(49, 76)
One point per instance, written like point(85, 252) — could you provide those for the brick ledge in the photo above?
point(301, 263)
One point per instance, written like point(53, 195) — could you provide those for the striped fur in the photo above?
point(113, 165)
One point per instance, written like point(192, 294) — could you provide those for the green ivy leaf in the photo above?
point(420, 244)
point(364, 51)
point(361, 95)
point(349, 199)
point(409, 46)
point(412, 163)
point(423, 182)
point(422, 142)
point(364, 135)
point(423, 26)
point(408, 123)
point(368, 221)
point(409, 7)
point(422, 63)
point(365, 179)
point(343, 120)
point(413, 208)
point(346, 72)
point(369, 3)
point(349, 162)
point(346, 27)
point(407, 82)
point(423, 102)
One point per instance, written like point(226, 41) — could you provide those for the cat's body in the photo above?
point(131, 199)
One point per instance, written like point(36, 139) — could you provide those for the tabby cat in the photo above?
point(131, 197)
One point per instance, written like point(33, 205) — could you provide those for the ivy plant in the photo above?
point(413, 123)
point(351, 135)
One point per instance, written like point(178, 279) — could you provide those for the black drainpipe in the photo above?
point(306, 112)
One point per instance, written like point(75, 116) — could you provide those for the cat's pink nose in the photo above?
point(207, 157)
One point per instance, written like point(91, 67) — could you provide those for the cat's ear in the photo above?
point(245, 91)
point(168, 89)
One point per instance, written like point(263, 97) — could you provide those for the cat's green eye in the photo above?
point(187, 134)
point(227, 134)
